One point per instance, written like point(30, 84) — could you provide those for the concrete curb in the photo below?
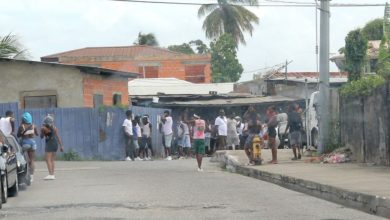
point(368, 203)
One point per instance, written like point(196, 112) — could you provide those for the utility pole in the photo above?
point(323, 100)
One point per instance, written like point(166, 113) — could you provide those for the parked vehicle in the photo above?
point(22, 161)
point(9, 178)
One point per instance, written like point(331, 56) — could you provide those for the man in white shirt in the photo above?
point(7, 123)
point(128, 131)
point(221, 127)
point(167, 132)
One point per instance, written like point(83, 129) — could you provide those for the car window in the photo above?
point(13, 145)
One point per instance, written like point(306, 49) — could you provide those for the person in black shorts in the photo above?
point(272, 123)
point(52, 142)
point(253, 119)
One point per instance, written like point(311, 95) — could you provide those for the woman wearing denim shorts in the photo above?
point(27, 131)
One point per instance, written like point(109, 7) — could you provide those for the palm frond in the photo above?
point(8, 46)
point(213, 24)
point(206, 8)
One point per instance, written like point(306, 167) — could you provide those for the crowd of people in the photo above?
point(198, 136)
point(26, 133)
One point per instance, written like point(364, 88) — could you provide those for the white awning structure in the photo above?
point(173, 86)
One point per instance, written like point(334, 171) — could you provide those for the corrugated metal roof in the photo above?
point(229, 101)
point(153, 86)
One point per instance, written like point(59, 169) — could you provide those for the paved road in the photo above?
point(162, 190)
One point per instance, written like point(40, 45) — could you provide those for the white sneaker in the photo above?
point(148, 158)
point(137, 158)
point(169, 158)
point(200, 170)
point(50, 177)
point(127, 159)
point(31, 178)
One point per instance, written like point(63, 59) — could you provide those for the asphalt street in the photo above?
point(162, 190)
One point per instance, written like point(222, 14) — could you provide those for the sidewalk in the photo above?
point(359, 186)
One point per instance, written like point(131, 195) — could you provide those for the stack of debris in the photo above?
point(340, 155)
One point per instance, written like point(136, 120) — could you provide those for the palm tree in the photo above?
point(10, 47)
point(146, 39)
point(228, 16)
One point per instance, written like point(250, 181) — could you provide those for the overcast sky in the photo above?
point(284, 33)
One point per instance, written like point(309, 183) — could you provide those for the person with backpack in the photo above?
point(53, 142)
point(294, 126)
point(27, 131)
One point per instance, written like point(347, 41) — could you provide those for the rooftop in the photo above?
point(128, 52)
point(154, 86)
point(82, 68)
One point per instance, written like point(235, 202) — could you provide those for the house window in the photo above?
point(49, 101)
point(195, 73)
point(97, 100)
point(117, 99)
point(148, 71)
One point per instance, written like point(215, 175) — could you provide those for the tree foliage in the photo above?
point(228, 16)
point(355, 54)
point(183, 48)
point(146, 39)
point(362, 87)
point(10, 47)
point(373, 30)
point(383, 66)
point(225, 66)
point(201, 48)
point(191, 47)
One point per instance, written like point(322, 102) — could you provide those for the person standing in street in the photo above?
point(252, 118)
point(146, 141)
point(199, 137)
point(184, 140)
point(134, 152)
point(7, 123)
point(27, 131)
point(128, 131)
point(232, 135)
point(295, 126)
point(52, 143)
point(272, 123)
point(168, 133)
point(221, 128)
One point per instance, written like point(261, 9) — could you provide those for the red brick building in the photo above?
point(150, 62)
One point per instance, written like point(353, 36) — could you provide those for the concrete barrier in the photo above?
point(368, 203)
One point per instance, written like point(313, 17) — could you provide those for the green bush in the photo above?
point(362, 87)
point(70, 156)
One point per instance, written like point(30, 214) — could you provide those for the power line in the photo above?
point(292, 4)
point(277, 3)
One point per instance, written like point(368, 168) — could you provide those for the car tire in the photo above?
point(13, 191)
point(4, 188)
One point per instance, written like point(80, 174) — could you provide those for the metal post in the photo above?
point(323, 100)
point(308, 144)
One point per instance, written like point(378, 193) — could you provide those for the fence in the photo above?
point(365, 126)
point(91, 133)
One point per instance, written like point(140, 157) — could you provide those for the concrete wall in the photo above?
point(365, 126)
point(19, 77)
